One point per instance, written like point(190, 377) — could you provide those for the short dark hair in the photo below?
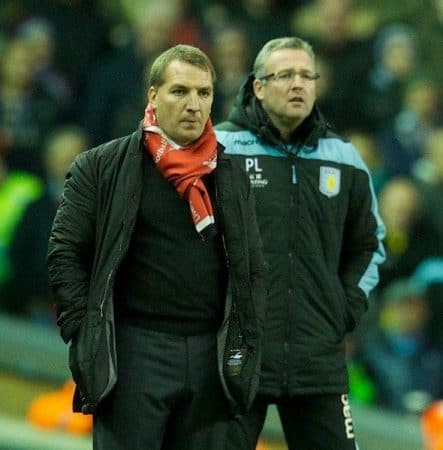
point(186, 53)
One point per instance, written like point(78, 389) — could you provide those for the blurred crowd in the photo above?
point(73, 75)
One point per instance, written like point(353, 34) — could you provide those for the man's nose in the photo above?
point(297, 80)
point(193, 101)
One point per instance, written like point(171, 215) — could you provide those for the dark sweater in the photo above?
point(171, 280)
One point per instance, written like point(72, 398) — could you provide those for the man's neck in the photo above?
point(285, 127)
point(286, 131)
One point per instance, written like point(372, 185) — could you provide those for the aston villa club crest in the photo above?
point(329, 181)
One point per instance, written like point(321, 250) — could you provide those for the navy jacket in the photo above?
point(322, 237)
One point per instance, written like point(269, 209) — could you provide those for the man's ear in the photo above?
point(257, 86)
point(152, 96)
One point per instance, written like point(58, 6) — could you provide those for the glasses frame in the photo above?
point(278, 76)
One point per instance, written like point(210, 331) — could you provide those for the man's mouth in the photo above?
point(296, 99)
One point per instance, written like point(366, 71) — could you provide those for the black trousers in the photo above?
point(309, 422)
point(168, 395)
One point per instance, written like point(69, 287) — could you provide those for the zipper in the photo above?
point(220, 215)
point(236, 317)
point(102, 303)
point(118, 260)
point(294, 174)
point(290, 293)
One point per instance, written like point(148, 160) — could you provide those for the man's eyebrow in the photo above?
point(179, 85)
point(301, 69)
point(185, 86)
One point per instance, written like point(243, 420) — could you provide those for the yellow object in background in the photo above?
point(54, 411)
point(432, 426)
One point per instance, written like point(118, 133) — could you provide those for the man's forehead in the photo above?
point(185, 74)
point(289, 55)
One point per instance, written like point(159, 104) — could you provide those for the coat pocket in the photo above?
point(240, 366)
point(89, 358)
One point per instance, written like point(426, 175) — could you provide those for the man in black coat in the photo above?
point(156, 266)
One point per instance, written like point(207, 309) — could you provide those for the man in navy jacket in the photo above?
point(322, 238)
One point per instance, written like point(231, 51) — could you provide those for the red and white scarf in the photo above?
point(184, 167)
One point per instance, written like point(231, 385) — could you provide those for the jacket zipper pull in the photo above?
point(294, 174)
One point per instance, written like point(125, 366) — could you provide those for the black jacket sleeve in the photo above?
point(362, 250)
point(71, 246)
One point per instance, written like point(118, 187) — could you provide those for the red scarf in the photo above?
point(184, 167)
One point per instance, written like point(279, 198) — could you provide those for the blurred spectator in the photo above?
point(364, 142)
point(326, 91)
point(26, 111)
point(261, 20)
point(231, 55)
point(12, 12)
point(428, 21)
point(429, 275)
point(80, 34)
point(388, 11)
point(430, 180)
point(406, 366)
point(408, 233)
point(395, 58)
point(188, 29)
point(38, 33)
point(27, 290)
point(116, 94)
point(403, 141)
point(330, 28)
point(213, 16)
point(17, 190)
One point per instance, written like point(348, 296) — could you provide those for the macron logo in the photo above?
point(246, 142)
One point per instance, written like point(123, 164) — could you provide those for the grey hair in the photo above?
point(279, 44)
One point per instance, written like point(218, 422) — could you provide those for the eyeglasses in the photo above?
point(287, 76)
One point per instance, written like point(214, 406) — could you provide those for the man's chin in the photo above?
point(297, 115)
point(188, 138)
point(194, 131)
